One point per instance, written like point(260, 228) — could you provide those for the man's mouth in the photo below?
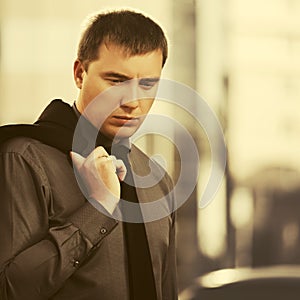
point(126, 117)
point(126, 120)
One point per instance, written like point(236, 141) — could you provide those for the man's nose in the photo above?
point(130, 96)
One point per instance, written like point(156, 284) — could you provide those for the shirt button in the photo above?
point(76, 263)
point(103, 230)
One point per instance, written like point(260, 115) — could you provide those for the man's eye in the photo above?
point(116, 81)
point(147, 84)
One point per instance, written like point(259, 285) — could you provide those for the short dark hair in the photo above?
point(133, 31)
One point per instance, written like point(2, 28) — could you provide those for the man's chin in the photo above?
point(122, 133)
point(125, 134)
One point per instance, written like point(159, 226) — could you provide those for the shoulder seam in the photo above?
point(32, 164)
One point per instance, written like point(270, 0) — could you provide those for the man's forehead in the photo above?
point(114, 59)
point(124, 51)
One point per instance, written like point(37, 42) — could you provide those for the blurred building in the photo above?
point(248, 66)
point(264, 126)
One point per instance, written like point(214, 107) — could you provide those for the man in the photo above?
point(60, 239)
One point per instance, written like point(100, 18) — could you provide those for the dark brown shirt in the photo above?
point(55, 244)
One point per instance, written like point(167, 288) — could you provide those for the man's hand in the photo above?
point(101, 174)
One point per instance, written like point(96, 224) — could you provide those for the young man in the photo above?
point(56, 244)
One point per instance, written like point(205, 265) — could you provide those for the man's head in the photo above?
point(126, 50)
point(134, 32)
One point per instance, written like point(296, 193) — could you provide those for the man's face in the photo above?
point(133, 80)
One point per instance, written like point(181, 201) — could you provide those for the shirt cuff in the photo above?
point(92, 223)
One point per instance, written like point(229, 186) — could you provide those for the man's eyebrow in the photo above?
point(115, 75)
point(125, 77)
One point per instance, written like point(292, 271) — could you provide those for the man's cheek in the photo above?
point(102, 105)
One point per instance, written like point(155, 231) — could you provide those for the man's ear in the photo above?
point(78, 70)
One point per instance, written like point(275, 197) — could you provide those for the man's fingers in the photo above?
point(97, 153)
point(120, 168)
point(100, 152)
point(77, 159)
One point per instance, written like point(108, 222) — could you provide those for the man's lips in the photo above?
point(125, 120)
point(126, 117)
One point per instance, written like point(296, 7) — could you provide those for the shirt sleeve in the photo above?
point(35, 260)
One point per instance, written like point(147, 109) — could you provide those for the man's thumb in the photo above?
point(77, 159)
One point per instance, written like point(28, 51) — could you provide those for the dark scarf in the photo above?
point(55, 127)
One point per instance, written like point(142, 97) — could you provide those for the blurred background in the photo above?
point(243, 58)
